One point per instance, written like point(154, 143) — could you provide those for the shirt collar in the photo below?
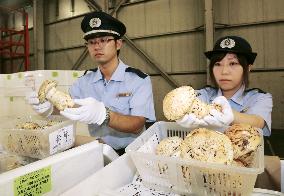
point(98, 75)
point(118, 74)
point(237, 97)
point(219, 93)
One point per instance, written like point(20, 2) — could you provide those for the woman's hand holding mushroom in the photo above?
point(191, 121)
point(220, 118)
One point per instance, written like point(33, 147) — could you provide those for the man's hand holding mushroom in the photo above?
point(90, 111)
point(44, 109)
point(47, 97)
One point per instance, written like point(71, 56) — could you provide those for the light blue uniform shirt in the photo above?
point(128, 92)
point(245, 101)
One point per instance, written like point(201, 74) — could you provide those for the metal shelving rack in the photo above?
point(14, 44)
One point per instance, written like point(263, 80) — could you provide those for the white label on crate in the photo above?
point(61, 139)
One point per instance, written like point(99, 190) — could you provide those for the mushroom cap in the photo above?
point(44, 88)
point(169, 146)
point(245, 139)
point(177, 102)
point(199, 108)
point(207, 145)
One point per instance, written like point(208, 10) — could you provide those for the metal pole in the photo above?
point(11, 52)
point(38, 37)
point(27, 42)
point(209, 32)
point(80, 59)
point(93, 4)
point(106, 7)
point(117, 7)
point(171, 81)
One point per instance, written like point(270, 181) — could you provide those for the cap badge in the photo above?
point(227, 43)
point(95, 22)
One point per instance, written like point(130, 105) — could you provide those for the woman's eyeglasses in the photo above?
point(101, 42)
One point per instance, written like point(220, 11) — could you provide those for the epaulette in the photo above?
point(257, 89)
point(137, 71)
point(204, 87)
point(94, 70)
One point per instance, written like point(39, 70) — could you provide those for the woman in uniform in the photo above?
point(230, 63)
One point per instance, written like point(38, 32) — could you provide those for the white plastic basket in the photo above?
point(189, 176)
point(12, 161)
point(55, 174)
point(38, 143)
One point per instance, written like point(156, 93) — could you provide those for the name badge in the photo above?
point(123, 94)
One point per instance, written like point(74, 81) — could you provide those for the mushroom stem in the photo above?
point(59, 99)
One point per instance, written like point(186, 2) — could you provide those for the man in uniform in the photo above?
point(115, 100)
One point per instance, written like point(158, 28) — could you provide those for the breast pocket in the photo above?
point(120, 105)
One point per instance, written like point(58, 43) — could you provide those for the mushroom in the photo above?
point(28, 125)
point(182, 101)
point(245, 139)
point(48, 92)
point(207, 145)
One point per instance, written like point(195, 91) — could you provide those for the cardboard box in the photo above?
point(282, 175)
point(271, 177)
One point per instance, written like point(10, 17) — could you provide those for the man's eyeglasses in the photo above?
point(101, 42)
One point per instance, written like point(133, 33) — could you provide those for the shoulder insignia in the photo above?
point(136, 71)
point(208, 88)
point(94, 70)
point(256, 89)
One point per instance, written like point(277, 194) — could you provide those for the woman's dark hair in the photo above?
point(242, 60)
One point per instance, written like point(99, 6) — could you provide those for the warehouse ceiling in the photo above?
point(9, 6)
point(14, 4)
